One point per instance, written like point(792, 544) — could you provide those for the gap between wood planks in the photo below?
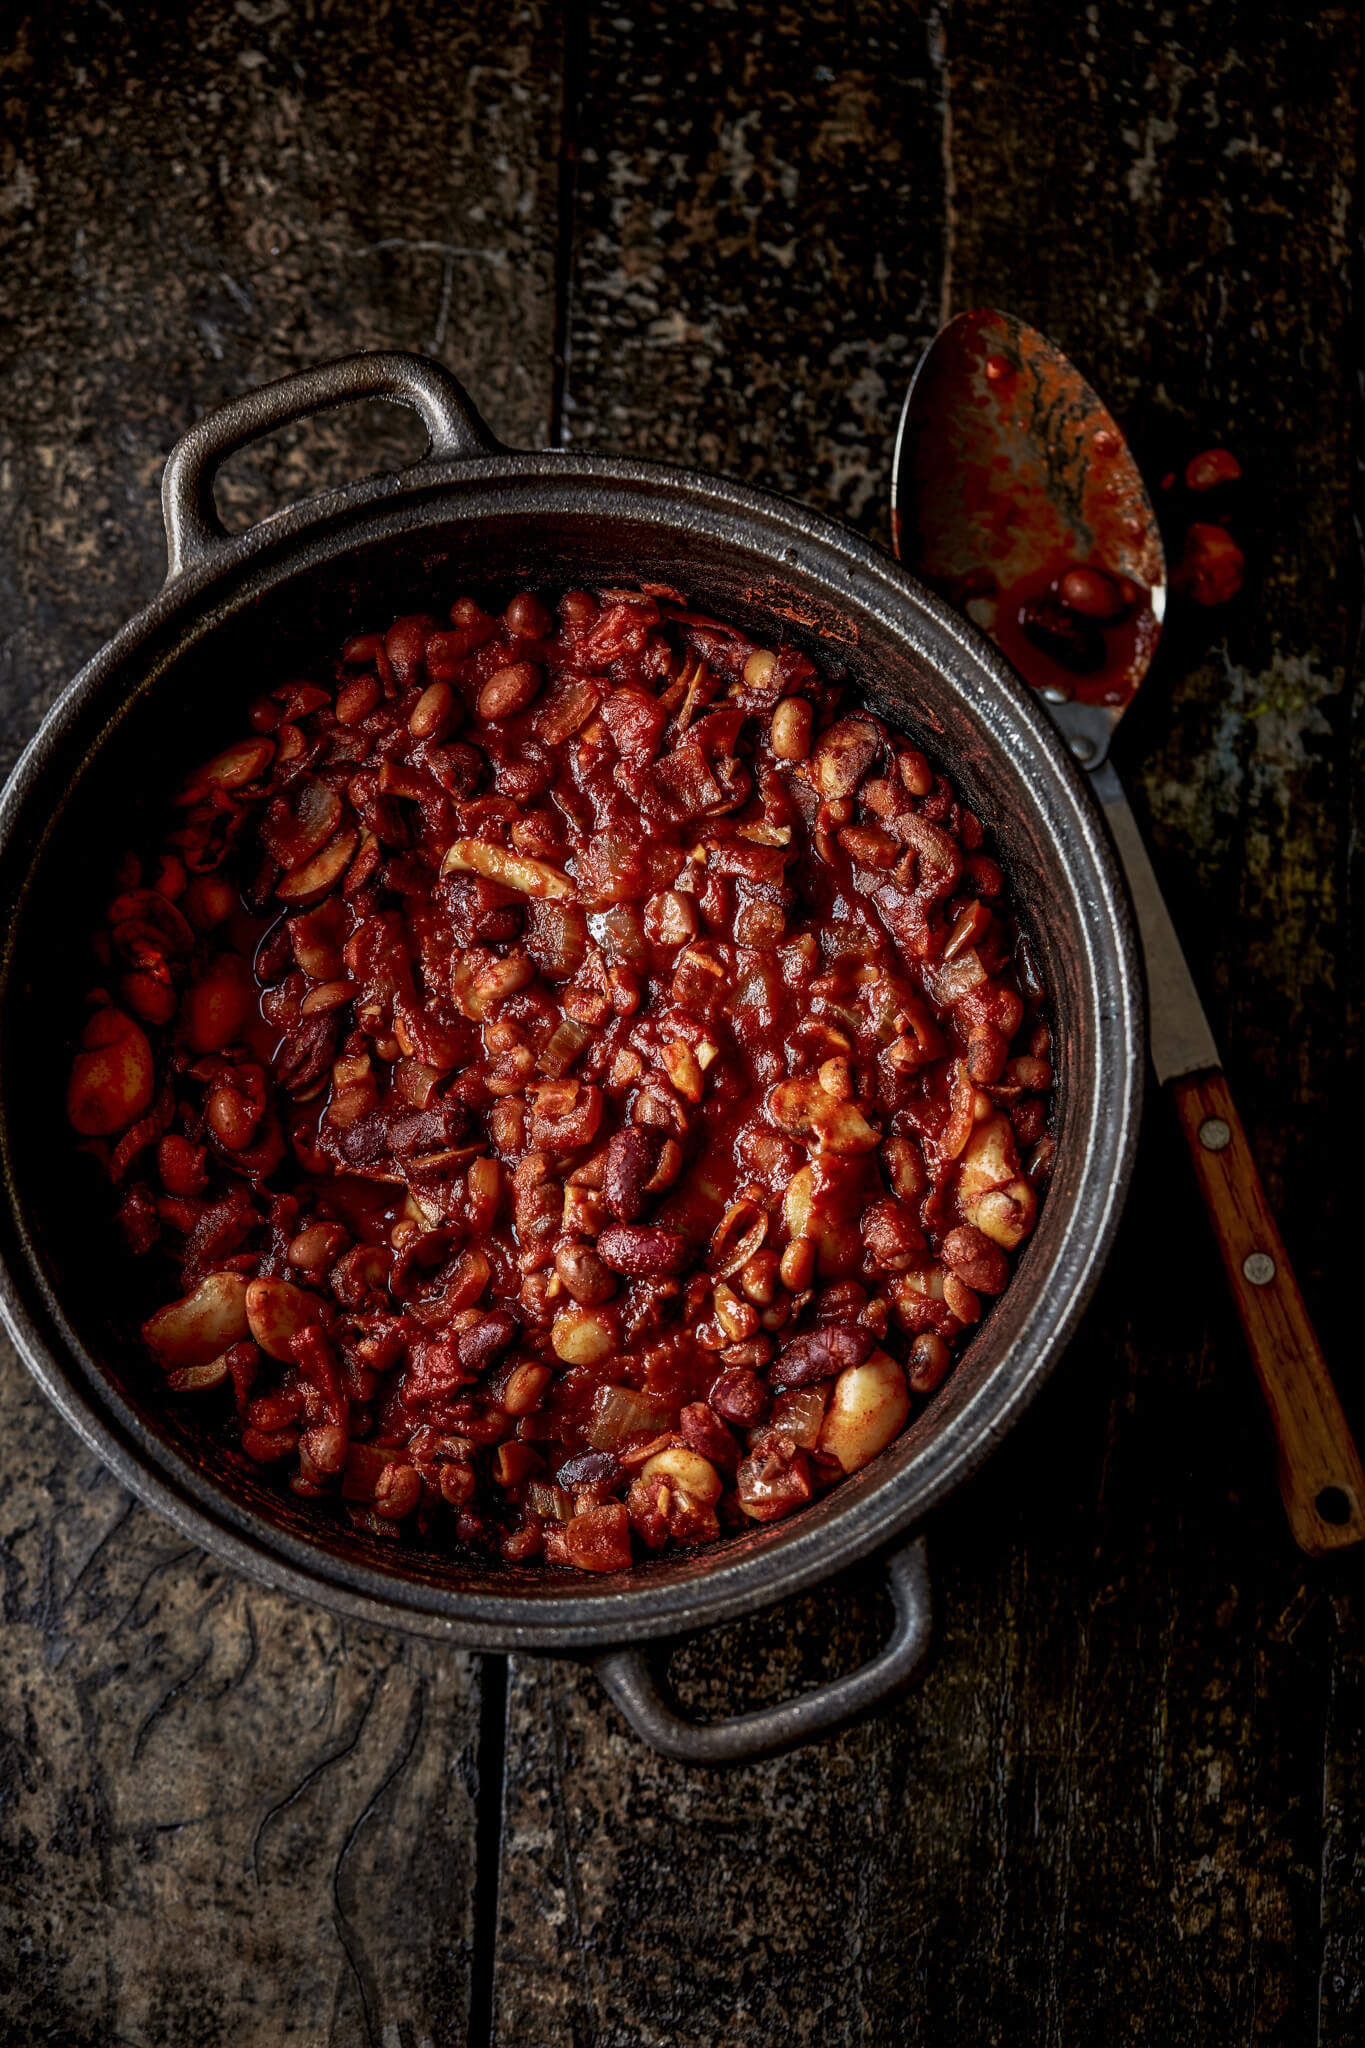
point(488, 1851)
point(493, 1704)
point(572, 73)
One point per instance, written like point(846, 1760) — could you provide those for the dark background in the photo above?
point(1127, 1803)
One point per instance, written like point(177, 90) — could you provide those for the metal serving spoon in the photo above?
point(1010, 476)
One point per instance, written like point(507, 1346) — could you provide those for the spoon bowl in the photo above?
point(1009, 477)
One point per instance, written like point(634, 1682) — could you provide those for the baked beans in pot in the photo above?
point(176, 687)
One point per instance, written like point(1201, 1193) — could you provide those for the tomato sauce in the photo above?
point(585, 1083)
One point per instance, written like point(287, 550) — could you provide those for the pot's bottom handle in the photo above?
point(741, 1738)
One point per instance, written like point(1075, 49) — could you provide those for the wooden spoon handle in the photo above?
point(1320, 1473)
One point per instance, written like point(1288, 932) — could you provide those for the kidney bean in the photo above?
point(643, 1248)
point(306, 1052)
point(976, 1261)
point(589, 1468)
point(527, 617)
point(485, 1338)
point(820, 1354)
point(1068, 639)
point(702, 1431)
point(739, 1396)
point(1091, 593)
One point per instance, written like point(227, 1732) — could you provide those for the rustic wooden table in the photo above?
point(1127, 1803)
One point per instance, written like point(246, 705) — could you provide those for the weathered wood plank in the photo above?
point(757, 239)
point(192, 205)
point(1101, 1817)
point(224, 1816)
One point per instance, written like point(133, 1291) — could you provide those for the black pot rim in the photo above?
point(864, 1513)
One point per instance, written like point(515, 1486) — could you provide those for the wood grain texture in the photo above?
point(1321, 1481)
point(757, 238)
point(223, 1816)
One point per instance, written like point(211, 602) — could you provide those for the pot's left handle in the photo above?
point(193, 528)
point(742, 1738)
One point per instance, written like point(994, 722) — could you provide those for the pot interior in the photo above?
point(278, 606)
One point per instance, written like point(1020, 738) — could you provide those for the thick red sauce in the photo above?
point(1123, 645)
point(584, 1086)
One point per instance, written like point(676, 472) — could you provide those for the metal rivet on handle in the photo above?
point(1259, 1268)
point(1083, 748)
point(1214, 1134)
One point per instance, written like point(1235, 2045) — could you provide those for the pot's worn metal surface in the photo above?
point(237, 612)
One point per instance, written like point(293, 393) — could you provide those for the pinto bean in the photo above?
point(930, 1359)
point(509, 690)
point(525, 1386)
point(527, 617)
point(798, 1264)
point(397, 1492)
point(586, 1278)
point(686, 1469)
point(584, 1336)
point(435, 713)
point(357, 699)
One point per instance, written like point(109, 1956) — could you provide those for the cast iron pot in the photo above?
point(236, 613)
